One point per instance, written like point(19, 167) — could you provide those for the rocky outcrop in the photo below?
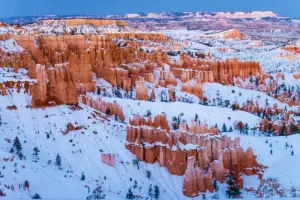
point(213, 71)
point(102, 106)
point(156, 37)
point(200, 157)
point(17, 85)
point(15, 60)
point(81, 71)
point(159, 121)
point(71, 127)
point(96, 22)
point(193, 87)
point(141, 90)
point(60, 89)
point(108, 159)
point(292, 48)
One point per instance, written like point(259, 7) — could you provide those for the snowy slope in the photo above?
point(58, 27)
point(10, 45)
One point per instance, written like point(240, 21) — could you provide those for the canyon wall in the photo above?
point(199, 157)
point(96, 22)
point(60, 89)
point(102, 106)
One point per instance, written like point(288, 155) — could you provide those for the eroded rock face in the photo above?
point(141, 91)
point(71, 127)
point(292, 48)
point(213, 71)
point(102, 106)
point(60, 89)
point(200, 157)
point(15, 85)
point(108, 159)
point(96, 22)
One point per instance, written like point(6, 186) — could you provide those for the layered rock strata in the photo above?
point(200, 157)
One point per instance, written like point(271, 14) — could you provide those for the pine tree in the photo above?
point(58, 160)
point(135, 184)
point(215, 185)
point(148, 174)
point(98, 91)
point(246, 128)
point(232, 189)
point(150, 191)
point(36, 151)
point(97, 194)
point(230, 129)
point(292, 153)
point(36, 196)
point(129, 195)
point(224, 128)
point(156, 192)
point(136, 162)
point(82, 177)
point(196, 117)
point(17, 145)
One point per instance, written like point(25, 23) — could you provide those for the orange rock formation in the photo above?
point(102, 106)
point(198, 156)
point(60, 89)
point(108, 159)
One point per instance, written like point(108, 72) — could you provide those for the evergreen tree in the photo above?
point(82, 177)
point(292, 153)
point(97, 194)
point(232, 189)
point(224, 128)
point(58, 160)
point(246, 128)
point(36, 151)
point(196, 117)
point(135, 184)
point(129, 195)
point(230, 129)
point(271, 151)
point(136, 162)
point(156, 192)
point(98, 91)
point(215, 185)
point(17, 145)
point(148, 174)
point(150, 191)
point(36, 196)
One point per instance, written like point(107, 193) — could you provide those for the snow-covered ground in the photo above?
point(10, 45)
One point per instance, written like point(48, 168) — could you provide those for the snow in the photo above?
point(255, 14)
point(7, 74)
point(285, 171)
point(10, 45)
point(240, 95)
point(213, 115)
